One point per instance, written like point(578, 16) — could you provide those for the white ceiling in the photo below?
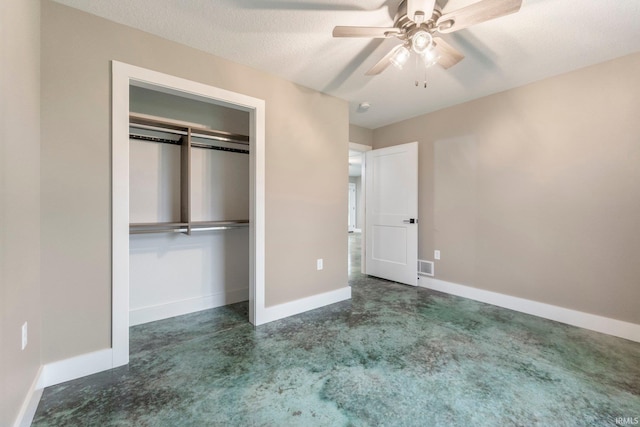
point(292, 39)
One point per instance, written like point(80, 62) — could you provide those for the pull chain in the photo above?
point(425, 77)
point(418, 63)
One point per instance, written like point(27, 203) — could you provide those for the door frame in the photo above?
point(123, 76)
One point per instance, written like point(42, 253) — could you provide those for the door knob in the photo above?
point(410, 221)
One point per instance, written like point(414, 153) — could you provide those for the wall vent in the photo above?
point(425, 268)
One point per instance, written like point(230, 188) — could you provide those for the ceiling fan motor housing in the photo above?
point(409, 26)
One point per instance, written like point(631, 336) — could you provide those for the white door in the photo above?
point(392, 213)
point(352, 206)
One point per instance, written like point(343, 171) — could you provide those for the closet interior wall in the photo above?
point(174, 273)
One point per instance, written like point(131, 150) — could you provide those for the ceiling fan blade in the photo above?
point(449, 56)
point(420, 10)
point(383, 63)
point(372, 32)
point(484, 10)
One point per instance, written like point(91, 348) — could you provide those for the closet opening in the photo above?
point(187, 200)
point(188, 205)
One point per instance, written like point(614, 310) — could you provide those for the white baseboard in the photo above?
point(605, 325)
point(30, 403)
point(287, 309)
point(76, 367)
point(142, 315)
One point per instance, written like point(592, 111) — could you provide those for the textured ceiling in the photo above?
point(292, 39)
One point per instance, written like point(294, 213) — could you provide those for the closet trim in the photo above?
point(123, 76)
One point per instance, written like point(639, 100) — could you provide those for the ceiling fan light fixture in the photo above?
point(400, 57)
point(421, 41)
point(431, 56)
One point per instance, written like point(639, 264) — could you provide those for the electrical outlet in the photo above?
point(24, 335)
point(319, 265)
point(436, 254)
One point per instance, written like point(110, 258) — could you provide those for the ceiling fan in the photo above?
point(417, 24)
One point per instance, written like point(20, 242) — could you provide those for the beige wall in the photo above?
point(535, 192)
point(19, 202)
point(360, 135)
point(306, 147)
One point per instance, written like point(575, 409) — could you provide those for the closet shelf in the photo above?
point(184, 227)
point(218, 225)
point(158, 227)
point(186, 131)
point(144, 121)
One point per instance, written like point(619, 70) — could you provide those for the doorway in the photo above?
point(123, 77)
point(352, 206)
point(356, 206)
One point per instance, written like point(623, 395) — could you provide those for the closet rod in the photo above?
point(213, 147)
point(221, 227)
point(145, 228)
point(195, 134)
point(193, 144)
point(159, 230)
point(154, 139)
point(184, 230)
